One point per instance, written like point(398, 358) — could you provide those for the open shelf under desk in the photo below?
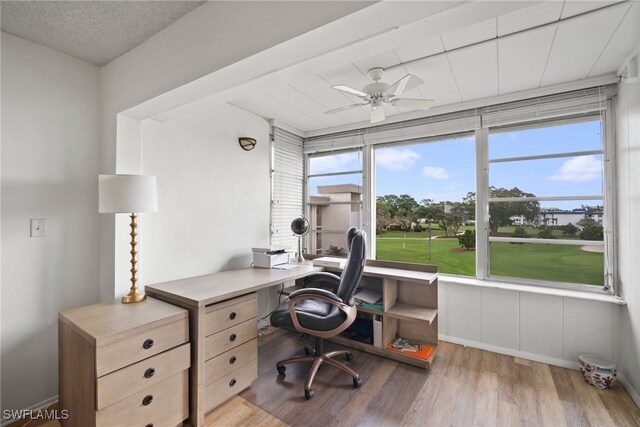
point(410, 312)
point(384, 352)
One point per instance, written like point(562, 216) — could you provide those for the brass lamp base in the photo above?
point(134, 296)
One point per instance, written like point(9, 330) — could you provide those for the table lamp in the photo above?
point(130, 194)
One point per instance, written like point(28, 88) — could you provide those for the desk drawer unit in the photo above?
point(124, 364)
point(231, 348)
point(230, 384)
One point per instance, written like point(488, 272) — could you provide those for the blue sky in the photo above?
point(445, 170)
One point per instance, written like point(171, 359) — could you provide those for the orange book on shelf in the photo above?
point(410, 348)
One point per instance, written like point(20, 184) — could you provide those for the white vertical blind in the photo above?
point(287, 183)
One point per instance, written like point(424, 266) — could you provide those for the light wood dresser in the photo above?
point(124, 364)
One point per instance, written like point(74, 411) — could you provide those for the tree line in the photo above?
point(404, 212)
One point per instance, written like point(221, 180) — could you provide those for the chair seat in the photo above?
point(312, 314)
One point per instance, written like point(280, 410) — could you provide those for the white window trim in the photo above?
point(360, 140)
point(606, 177)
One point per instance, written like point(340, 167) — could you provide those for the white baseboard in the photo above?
point(38, 406)
point(511, 352)
point(632, 391)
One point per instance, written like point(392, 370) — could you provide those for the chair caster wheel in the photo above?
point(349, 357)
point(357, 382)
point(308, 394)
point(281, 370)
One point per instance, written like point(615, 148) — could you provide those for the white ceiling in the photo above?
point(94, 31)
point(544, 44)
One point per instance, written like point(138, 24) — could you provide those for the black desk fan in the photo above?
point(300, 228)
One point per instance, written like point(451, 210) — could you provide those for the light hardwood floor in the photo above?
point(463, 387)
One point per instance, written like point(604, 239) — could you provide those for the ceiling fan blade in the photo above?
point(348, 107)
point(413, 104)
point(406, 83)
point(377, 114)
point(350, 90)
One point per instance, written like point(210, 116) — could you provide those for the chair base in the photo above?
point(316, 361)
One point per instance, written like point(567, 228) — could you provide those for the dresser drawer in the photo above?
point(230, 313)
point(216, 368)
point(234, 336)
point(133, 378)
point(167, 406)
point(141, 346)
point(230, 385)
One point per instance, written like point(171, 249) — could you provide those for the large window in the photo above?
point(422, 193)
point(546, 203)
point(335, 188)
point(518, 192)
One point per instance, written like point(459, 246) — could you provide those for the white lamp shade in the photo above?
point(127, 194)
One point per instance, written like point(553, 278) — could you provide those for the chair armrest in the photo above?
point(314, 291)
point(317, 280)
point(323, 295)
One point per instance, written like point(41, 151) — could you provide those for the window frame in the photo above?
point(481, 134)
point(484, 258)
point(307, 189)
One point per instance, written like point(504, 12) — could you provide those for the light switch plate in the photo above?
point(37, 227)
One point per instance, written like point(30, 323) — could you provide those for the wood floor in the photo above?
point(463, 387)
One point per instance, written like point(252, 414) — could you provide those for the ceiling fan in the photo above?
point(378, 92)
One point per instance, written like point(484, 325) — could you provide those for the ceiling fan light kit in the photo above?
point(377, 93)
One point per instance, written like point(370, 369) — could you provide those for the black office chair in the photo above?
point(323, 313)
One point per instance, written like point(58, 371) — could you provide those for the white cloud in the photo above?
point(577, 169)
point(396, 159)
point(435, 172)
point(336, 163)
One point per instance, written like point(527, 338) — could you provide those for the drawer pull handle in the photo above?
point(233, 337)
point(232, 382)
point(147, 344)
point(149, 425)
point(232, 360)
point(232, 315)
point(147, 400)
point(149, 373)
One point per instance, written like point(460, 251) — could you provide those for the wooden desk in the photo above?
point(220, 310)
point(222, 306)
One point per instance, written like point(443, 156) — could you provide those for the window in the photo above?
point(546, 203)
point(517, 192)
point(422, 205)
point(335, 189)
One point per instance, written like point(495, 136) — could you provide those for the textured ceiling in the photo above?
point(95, 31)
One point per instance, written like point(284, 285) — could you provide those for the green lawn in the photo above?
point(560, 263)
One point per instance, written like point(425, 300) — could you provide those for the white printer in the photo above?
point(269, 257)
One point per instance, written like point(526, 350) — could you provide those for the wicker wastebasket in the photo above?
point(597, 371)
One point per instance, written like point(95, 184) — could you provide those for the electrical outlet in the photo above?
point(37, 227)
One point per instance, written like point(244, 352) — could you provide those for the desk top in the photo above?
point(212, 288)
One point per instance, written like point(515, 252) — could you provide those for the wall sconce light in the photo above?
point(247, 144)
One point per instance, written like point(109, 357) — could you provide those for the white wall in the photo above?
point(50, 158)
point(201, 42)
point(548, 328)
point(628, 225)
point(213, 196)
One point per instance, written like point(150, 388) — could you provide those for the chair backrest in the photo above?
point(354, 266)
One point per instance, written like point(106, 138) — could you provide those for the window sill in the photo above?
point(592, 296)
